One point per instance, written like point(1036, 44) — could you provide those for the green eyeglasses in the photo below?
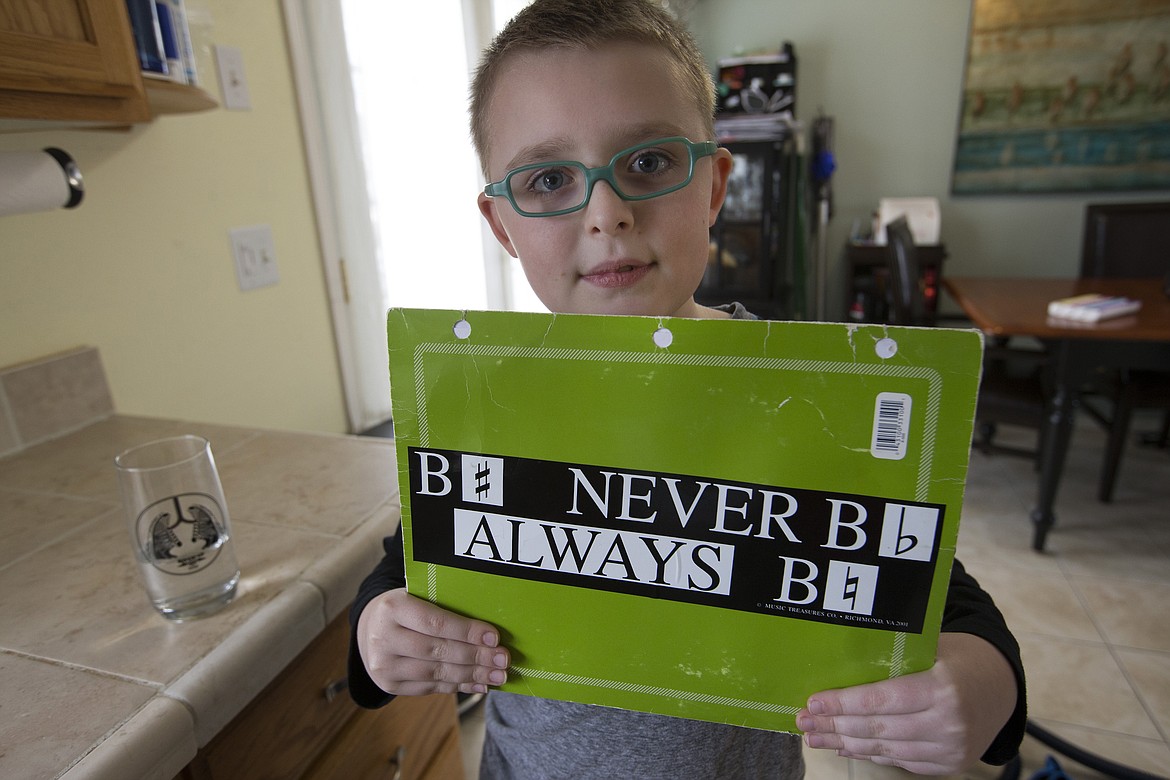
point(641, 172)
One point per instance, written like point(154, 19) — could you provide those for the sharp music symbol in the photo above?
point(481, 479)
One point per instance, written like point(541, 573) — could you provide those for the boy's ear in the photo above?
point(721, 164)
point(487, 207)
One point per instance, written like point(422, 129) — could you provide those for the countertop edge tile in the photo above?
point(222, 683)
point(155, 744)
point(339, 573)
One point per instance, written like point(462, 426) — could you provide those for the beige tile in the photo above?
point(333, 489)
point(1150, 674)
point(31, 521)
point(1081, 684)
point(157, 742)
point(1148, 755)
point(1129, 550)
point(82, 464)
point(996, 520)
point(53, 714)
point(826, 764)
point(1151, 755)
point(1037, 602)
point(1130, 613)
point(59, 394)
point(114, 627)
point(339, 573)
point(986, 546)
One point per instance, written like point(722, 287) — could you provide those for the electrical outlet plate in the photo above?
point(255, 255)
point(233, 85)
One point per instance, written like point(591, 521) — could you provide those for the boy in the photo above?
point(618, 82)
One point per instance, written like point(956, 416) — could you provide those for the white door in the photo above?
point(383, 100)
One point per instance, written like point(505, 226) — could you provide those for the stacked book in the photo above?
point(163, 40)
point(1092, 307)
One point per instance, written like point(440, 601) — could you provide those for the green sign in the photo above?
point(710, 519)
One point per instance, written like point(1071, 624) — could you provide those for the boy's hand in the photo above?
point(939, 721)
point(411, 647)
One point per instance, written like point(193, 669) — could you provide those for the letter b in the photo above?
point(426, 473)
point(790, 579)
point(836, 523)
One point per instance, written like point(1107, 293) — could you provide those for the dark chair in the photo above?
point(1012, 388)
point(907, 304)
point(1126, 240)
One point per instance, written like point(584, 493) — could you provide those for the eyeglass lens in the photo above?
point(638, 173)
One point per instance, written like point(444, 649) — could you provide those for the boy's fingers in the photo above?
point(901, 696)
point(831, 730)
point(427, 619)
point(445, 678)
point(412, 644)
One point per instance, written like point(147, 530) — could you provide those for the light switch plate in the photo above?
point(233, 84)
point(255, 255)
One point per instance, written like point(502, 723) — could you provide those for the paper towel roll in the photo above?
point(38, 181)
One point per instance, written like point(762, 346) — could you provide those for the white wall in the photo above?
point(890, 73)
point(143, 268)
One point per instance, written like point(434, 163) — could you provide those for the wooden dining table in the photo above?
point(1014, 306)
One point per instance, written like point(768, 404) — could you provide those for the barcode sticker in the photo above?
point(891, 426)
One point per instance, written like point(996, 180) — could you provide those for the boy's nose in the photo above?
point(606, 211)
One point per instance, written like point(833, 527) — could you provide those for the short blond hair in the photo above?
point(589, 24)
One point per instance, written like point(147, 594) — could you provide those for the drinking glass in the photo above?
point(179, 526)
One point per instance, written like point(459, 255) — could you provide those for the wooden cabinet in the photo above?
point(304, 726)
point(75, 61)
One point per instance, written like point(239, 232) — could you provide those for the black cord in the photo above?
point(1011, 770)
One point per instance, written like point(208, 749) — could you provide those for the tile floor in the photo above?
point(1092, 613)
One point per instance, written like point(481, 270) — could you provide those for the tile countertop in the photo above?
point(93, 682)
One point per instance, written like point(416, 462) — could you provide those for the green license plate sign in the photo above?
point(709, 519)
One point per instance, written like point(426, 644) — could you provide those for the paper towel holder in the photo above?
point(38, 181)
point(72, 173)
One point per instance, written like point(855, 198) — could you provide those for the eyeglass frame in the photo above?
point(696, 150)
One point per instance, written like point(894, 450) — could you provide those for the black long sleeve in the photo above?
point(970, 610)
point(389, 574)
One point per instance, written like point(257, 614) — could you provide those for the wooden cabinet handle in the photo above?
point(335, 688)
point(397, 761)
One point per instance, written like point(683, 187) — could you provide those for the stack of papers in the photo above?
point(1092, 307)
point(755, 127)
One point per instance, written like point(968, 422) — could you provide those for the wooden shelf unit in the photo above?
point(74, 62)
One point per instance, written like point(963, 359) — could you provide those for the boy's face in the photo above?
point(613, 256)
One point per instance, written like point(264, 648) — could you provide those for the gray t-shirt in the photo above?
point(533, 739)
point(527, 738)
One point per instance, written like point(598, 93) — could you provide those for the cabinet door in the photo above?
point(69, 60)
point(413, 738)
point(281, 732)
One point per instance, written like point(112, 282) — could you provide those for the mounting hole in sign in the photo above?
point(462, 329)
point(886, 348)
